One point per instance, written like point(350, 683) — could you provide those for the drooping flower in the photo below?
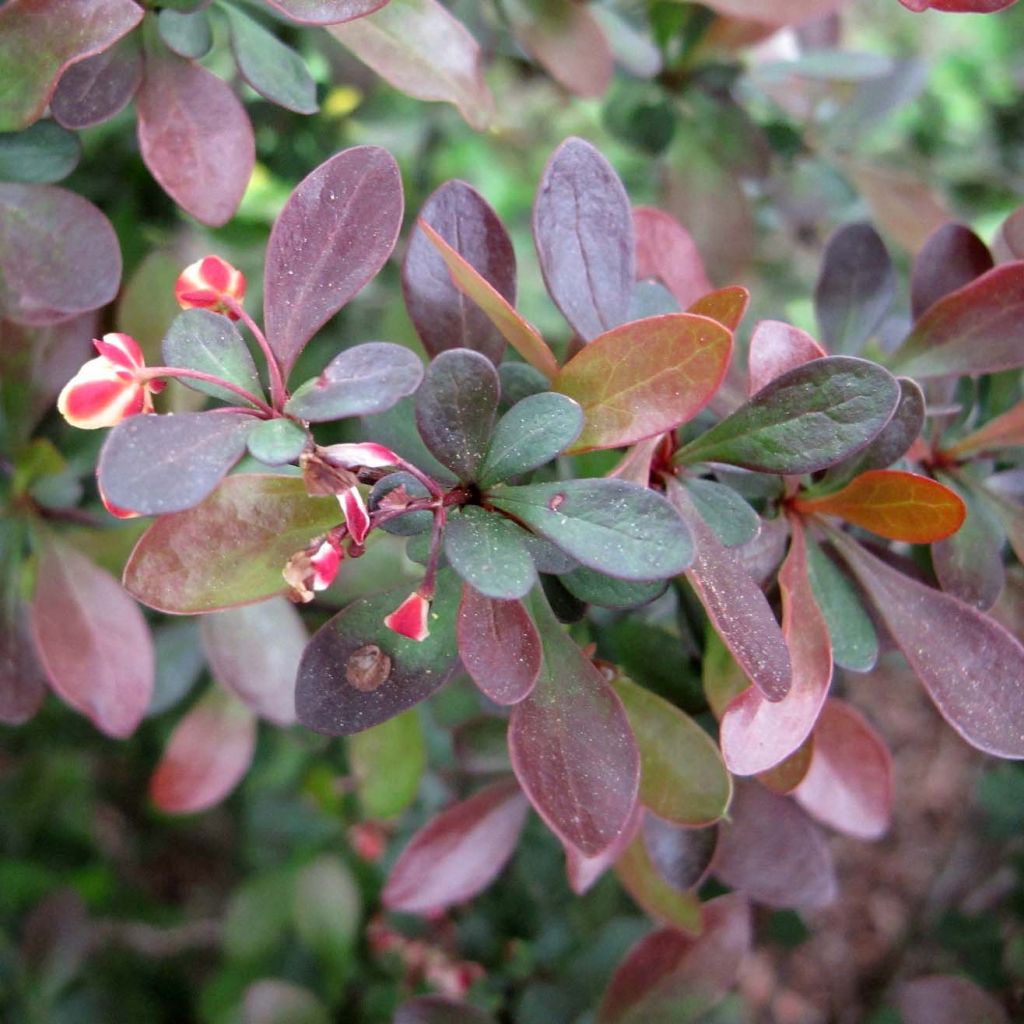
point(313, 569)
point(206, 284)
point(357, 519)
point(367, 455)
point(108, 389)
point(410, 618)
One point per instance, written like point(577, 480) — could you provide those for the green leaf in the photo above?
point(488, 551)
point(229, 550)
point(682, 777)
point(530, 434)
point(854, 640)
point(733, 520)
point(187, 34)
point(387, 763)
point(43, 153)
point(327, 909)
point(274, 70)
point(277, 442)
point(808, 419)
point(659, 898)
point(608, 592)
point(617, 528)
point(208, 342)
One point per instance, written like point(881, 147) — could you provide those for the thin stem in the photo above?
point(153, 372)
point(426, 588)
point(422, 477)
point(278, 393)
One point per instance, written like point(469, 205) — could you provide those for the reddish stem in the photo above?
point(278, 393)
point(153, 372)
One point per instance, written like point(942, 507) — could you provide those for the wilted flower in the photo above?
point(357, 519)
point(206, 283)
point(312, 569)
point(410, 617)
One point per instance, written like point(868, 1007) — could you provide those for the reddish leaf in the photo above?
point(444, 316)
point(645, 378)
point(499, 646)
point(777, 347)
point(977, 329)
point(231, 549)
point(666, 250)
point(584, 871)
point(571, 745)
point(735, 604)
point(458, 853)
point(653, 893)
point(966, 7)
point(971, 667)
point(421, 49)
point(780, 12)
point(40, 38)
point(773, 852)
point(894, 504)
point(756, 734)
point(520, 334)
point(583, 229)
point(727, 305)
point(254, 652)
point(1010, 240)
point(326, 12)
point(59, 255)
point(671, 976)
point(195, 136)
point(334, 234)
point(95, 89)
point(788, 774)
point(849, 782)
point(946, 999)
point(22, 680)
point(902, 202)
point(1005, 431)
point(270, 1001)
point(952, 257)
point(92, 640)
point(207, 755)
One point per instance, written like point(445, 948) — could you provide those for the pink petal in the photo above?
point(122, 350)
point(410, 618)
point(357, 519)
point(368, 455)
point(326, 563)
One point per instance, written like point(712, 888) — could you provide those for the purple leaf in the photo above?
point(22, 680)
point(207, 755)
point(971, 667)
point(583, 229)
point(270, 1001)
point(571, 745)
point(680, 855)
point(439, 1010)
point(326, 12)
point(40, 38)
point(776, 348)
point(95, 89)
point(334, 234)
point(946, 999)
point(59, 256)
point(444, 317)
point(735, 604)
point(849, 782)
point(92, 641)
point(254, 652)
point(773, 852)
point(195, 136)
point(952, 257)
point(458, 853)
point(672, 976)
point(159, 464)
point(583, 871)
point(665, 250)
point(499, 646)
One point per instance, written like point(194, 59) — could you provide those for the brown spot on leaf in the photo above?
point(555, 502)
point(367, 668)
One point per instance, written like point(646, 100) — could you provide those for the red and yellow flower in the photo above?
point(208, 283)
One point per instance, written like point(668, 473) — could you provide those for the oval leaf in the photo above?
point(387, 764)
point(945, 999)
point(777, 347)
point(653, 893)
point(95, 89)
point(952, 257)
point(22, 679)
point(326, 12)
point(489, 552)
point(277, 442)
point(666, 251)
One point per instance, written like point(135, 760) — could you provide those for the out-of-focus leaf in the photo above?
point(773, 852)
point(681, 855)
point(789, 773)
point(95, 89)
point(59, 255)
point(672, 976)
point(977, 329)
point(781, 12)
point(43, 153)
point(356, 672)
point(186, 33)
point(757, 734)
point(455, 409)
point(254, 652)
point(179, 663)
point(92, 640)
point(271, 1001)
point(159, 464)
point(334, 234)
point(326, 12)
point(1005, 431)
point(583, 229)
point(276, 442)
point(22, 679)
point(360, 381)
point(489, 552)
point(964, 6)
point(902, 203)
point(207, 755)
point(571, 745)
point(947, 999)
point(893, 504)
point(777, 347)
point(645, 378)
point(808, 419)
point(459, 852)
point(327, 909)
point(274, 70)
point(952, 257)
point(658, 897)
point(40, 38)
point(855, 288)
point(195, 136)
point(229, 550)
point(443, 315)
point(665, 250)
point(387, 764)
point(734, 522)
point(480, 746)
point(422, 50)
point(972, 668)
point(439, 1010)
point(1010, 240)
point(849, 782)
point(682, 778)
point(735, 604)
point(614, 527)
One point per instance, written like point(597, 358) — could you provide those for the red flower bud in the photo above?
point(359, 456)
point(206, 283)
point(410, 617)
point(357, 519)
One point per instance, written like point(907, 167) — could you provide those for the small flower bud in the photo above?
point(206, 283)
point(360, 456)
point(312, 569)
point(410, 618)
point(357, 519)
